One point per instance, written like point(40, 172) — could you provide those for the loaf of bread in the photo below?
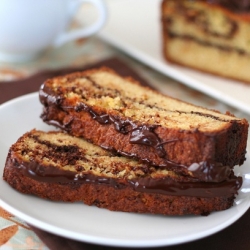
point(211, 36)
point(57, 166)
point(120, 115)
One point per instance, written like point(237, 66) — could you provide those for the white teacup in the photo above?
point(28, 27)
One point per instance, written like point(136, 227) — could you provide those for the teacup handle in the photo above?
point(87, 31)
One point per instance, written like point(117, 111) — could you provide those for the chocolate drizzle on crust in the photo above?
point(143, 134)
point(91, 121)
point(166, 186)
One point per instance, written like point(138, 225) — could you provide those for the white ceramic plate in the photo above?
point(134, 27)
point(91, 224)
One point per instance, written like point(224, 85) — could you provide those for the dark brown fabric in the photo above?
point(12, 89)
point(237, 236)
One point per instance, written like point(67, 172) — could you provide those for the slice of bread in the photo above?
point(60, 167)
point(210, 36)
point(122, 116)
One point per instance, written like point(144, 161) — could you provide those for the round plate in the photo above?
point(91, 224)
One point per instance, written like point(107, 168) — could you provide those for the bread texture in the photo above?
point(57, 166)
point(210, 36)
point(122, 116)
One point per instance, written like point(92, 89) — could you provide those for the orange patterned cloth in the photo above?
point(16, 234)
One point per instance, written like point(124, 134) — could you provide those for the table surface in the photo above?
point(15, 233)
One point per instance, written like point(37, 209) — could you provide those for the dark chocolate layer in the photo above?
point(166, 186)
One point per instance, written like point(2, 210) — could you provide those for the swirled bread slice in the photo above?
point(118, 114)
point(210, 36)
point(60, 167)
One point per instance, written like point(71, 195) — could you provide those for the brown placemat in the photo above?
point(234, 237)
point(12, 89)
